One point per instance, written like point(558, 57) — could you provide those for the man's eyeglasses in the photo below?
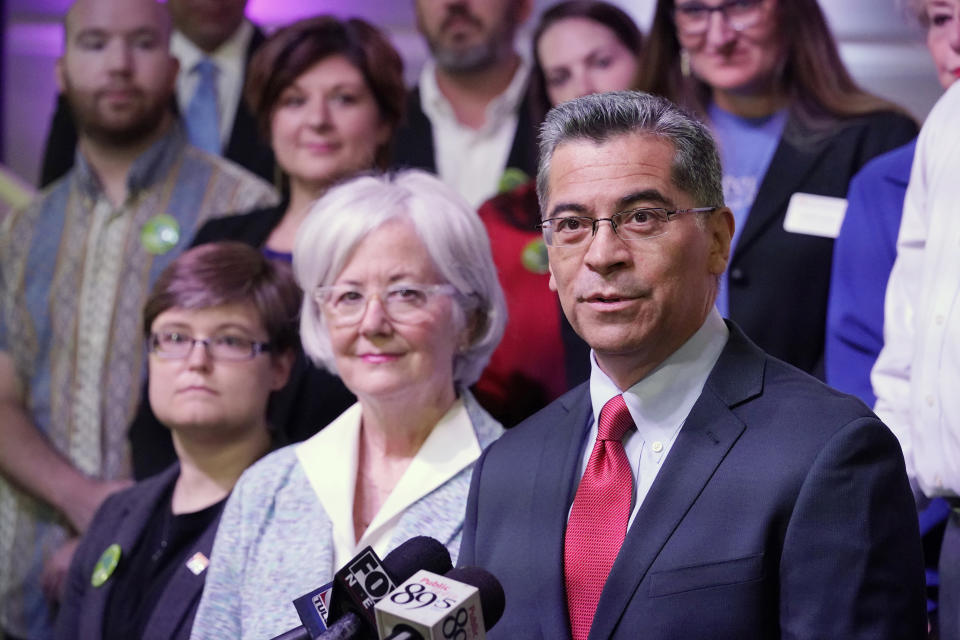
point(176, 345)
point(635, 224)
point(693, 18)
point(406, 303)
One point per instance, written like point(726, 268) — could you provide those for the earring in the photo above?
point(685, 63)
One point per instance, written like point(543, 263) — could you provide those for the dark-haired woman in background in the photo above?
point(790, 122)
point(327, 93)
point(221, 328)
point(579, 47)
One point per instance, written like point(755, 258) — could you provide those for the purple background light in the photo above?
point(884, 51)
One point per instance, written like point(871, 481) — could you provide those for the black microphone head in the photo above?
point(492, 598)
point(421, 552)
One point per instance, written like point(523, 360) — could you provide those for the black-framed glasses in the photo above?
point(693, 18)
point(176, 345)
point(634, 224)
point(406, 303)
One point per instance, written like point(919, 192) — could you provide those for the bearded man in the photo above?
point(75, 267)
point(469, 120)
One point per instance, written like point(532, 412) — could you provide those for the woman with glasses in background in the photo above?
point(579, 47)
point(401, 300)
point(791, 125)
point(221, 330)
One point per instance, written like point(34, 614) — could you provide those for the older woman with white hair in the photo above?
point(403, 303)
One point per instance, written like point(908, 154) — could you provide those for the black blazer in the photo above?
point(783, 510)
point(252, 228)
point(413, 141)
point(245, 146)
point(779, 281)
point(121, 520)
point(309, 401)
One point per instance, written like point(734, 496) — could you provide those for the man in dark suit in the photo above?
point(694, 487)
point(202, 29)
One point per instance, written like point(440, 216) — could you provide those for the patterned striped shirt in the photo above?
point(75, 271)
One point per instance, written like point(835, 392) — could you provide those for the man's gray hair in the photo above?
point(599, 117)
point(450, 230)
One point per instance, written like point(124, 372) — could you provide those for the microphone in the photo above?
point(358, 586)
point(461, 605)
point(314, 610)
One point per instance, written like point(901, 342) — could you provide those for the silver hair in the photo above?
point(450, 230)
point(599, 117)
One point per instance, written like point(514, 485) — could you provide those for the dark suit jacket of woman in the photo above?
point(779, 281)
point(121, 520)
point(311, 399)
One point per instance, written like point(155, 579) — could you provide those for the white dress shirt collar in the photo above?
point(659, 404)
point(663, 398)
point(436, 105)
point(472, 161)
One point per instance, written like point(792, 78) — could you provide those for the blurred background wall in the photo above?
point(881, 46)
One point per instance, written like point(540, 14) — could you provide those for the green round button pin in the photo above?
point(534, 256)
point(511, 179)
point(160, 234)
point(106, 565)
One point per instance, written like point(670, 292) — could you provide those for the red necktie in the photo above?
point(599, 517)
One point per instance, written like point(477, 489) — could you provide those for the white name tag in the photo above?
point(815, 215)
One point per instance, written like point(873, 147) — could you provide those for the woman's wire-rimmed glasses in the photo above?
point(406, 303)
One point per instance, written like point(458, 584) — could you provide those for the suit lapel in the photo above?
point(413, 140)
point(181, 593)
point(523, 151)
point(554, 489)
point(245, 145)
point(129, 527)
point(787, 171)
point(707, 435)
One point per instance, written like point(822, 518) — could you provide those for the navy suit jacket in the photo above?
point(121, 520)
point(782, 511)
